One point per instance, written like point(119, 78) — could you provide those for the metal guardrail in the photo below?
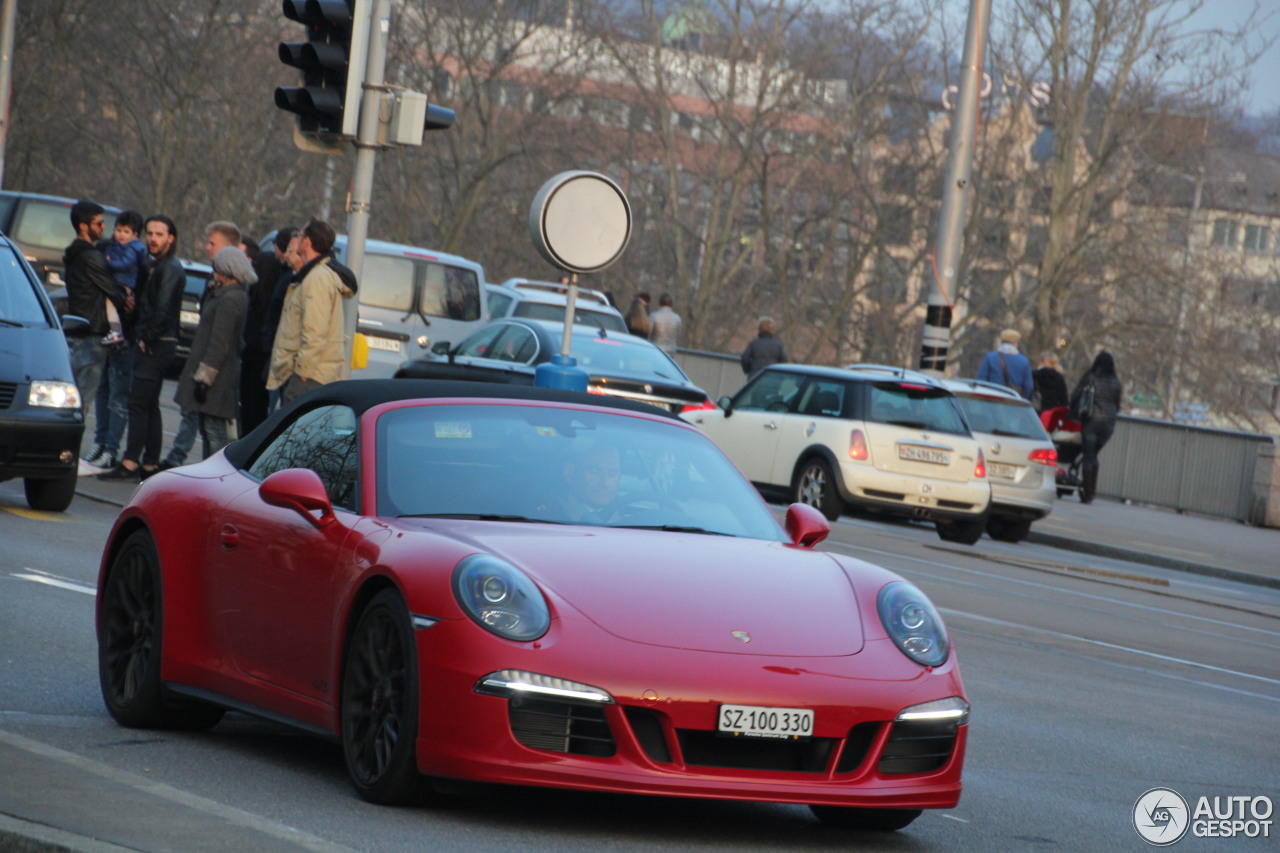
point(1187, 468)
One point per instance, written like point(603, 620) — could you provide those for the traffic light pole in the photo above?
point(366, 151)
point(956, 193)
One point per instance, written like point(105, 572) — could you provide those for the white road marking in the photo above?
point(50, 580)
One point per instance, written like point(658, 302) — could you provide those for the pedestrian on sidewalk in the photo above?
point(158, 309)
point(210, 382)
point(1095, 402)
point(90, 286)
point(664, 325)
point(1051, 385)
point(764, 350)
point(1006, 366)
point(638, 315)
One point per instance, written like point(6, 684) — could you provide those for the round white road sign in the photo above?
point(580, 221)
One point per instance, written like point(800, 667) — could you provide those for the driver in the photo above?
point(592, 480)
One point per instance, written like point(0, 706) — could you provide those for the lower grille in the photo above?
point(709, 749)
point(8, 391)
point(561, 727)
point(918, 747)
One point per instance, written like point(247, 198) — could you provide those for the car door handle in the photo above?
point(771, 425)
point(230, 537)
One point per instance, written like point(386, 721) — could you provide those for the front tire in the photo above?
point(871, 820)
point(380, 704)
point(1008, 529)
point(129, 644)
point(815, 485)
point(964, 532)
point(50, 495)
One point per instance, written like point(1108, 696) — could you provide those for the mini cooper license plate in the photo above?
point(386, 344)
point(916, 453)
point(756, 721)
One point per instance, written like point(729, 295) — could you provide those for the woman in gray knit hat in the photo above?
point(210, 380)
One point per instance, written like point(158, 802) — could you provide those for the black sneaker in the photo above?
point(93, 454)
point(105, 460)
point(123, 474)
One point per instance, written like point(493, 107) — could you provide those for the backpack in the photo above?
point(1082, 402)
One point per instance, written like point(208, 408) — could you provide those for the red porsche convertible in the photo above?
point(528, 586)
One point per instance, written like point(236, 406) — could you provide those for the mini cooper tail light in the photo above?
point(980, 468)
point(1044, 455)
point(857, 445)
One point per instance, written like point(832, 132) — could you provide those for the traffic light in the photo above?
point(332, 62)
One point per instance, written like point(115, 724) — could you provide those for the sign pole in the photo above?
point(956, 193)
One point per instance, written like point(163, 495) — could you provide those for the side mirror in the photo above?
point(73, 325)
point(441, 347)
point(724, 403)
point(806, 526)
point(301, 490)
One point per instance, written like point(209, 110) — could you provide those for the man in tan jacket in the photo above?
point(309, 348)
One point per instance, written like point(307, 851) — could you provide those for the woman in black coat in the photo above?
point(1101, 423)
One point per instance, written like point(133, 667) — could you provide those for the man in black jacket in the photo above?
point(89, 286)
point(157, 336)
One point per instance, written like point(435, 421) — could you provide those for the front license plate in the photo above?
point(1003, 470)
point(756, 721)
point(384, 344)
point(916, 453)
point(189, 318)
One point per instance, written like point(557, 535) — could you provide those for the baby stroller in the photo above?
point(1066, 438)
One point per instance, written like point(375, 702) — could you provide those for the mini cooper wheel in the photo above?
point(380, 704)
point(129, 650)
point(1008, 529)
point(964, 532)
point(872, 820)
point(815, 485)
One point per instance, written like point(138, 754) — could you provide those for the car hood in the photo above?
point(688, 591)
point(33, 352)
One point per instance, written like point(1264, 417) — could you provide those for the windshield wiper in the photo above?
point(481, 516)
point(4, 322)
point(672, 528)
point(1009, 433)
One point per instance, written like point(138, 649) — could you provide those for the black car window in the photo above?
point(772, 390)
point(498, 304)
point(19, 302)
point(517, 344)
point(322, 439)
point(823, 397)
point(452, 292)
point(480, 345)
point(916, 406)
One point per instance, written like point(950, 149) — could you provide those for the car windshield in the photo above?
point(565, 466)
point(581, 316)
point(915, 406)
point(624, 357)
point(19, 304)
point(1001, 416)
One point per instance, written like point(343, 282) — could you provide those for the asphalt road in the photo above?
point(1092, 680)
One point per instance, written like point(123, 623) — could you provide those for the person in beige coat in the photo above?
point(309, 348)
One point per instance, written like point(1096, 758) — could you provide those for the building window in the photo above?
point(1257, 238)
point(1226, 233)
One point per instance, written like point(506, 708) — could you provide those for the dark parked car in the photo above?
point(41, 422)
point(198, 276)
point(510, 350)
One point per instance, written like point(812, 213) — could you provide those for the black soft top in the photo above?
point(364, 394)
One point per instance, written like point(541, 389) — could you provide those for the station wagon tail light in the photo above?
point(698, 407)
point(857, 445)
point(980, 469)
point(1044, 455)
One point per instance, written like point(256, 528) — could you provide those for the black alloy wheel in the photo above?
point(815, 485)
point(871, 820)
point(964, 532)
point(380, 704)
point(129, 645)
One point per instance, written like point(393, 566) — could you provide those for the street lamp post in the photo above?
point(1179, 340)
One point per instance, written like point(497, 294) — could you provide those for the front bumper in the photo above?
point(659, 735)
point(39, 443)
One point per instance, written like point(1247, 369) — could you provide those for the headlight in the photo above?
point(54, 395)
point(501, 598)
point(913, 624)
